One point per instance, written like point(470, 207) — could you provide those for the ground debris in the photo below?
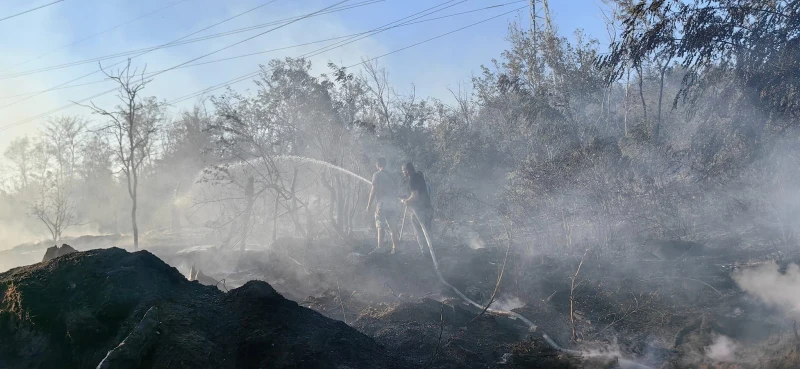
point(202, 327)
point(55, 251)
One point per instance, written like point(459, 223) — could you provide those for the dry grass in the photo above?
point(12, 303)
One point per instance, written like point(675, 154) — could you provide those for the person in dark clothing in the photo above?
point(420, 203)
point(383, 193)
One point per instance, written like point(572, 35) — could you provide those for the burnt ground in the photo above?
point(68, 312)
point(660, 313)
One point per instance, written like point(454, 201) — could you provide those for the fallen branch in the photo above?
point(223, 284)
point(439, 341)
point(572, 296)
point(392, 289)
point(499, 278)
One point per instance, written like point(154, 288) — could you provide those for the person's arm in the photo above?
point(411, 198)
point(371, 196)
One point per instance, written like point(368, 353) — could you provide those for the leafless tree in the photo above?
point(134, 125)
point(20, 155)
point(54, 206)
point(63, 137)
point(377, 82)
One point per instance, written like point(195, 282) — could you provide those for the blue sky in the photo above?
point(432, 67)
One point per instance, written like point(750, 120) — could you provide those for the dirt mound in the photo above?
point(70, 311)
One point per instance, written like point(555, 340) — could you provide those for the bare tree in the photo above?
point(54, 206)
point(19, 153)
point(133, 125)
point(60, 144)
point(63, 137)
point(377, 82)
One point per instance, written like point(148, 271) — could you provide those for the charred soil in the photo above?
point(70, 311)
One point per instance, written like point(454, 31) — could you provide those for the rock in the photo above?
point(55, 251)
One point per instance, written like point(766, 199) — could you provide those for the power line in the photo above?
point(30, 10)
point(166, 70)
point(289, 47)
point(138, 55)
point(96, 34)
point(385, 27)
point(437, 37)
point(253, 74)
point(175, 43)
point(372, 31)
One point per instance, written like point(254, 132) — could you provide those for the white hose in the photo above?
point(510, 314)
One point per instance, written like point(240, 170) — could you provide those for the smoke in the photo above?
point(770, 286)
point(722, 349)
point(508, 303)
point(13, 233)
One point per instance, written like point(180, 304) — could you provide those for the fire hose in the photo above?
point(509, 314)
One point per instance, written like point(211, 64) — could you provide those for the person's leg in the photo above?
point(390, 221)
point(379, 225)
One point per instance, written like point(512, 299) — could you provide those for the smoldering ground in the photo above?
point(623, 227)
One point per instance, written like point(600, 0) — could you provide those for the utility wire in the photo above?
point(253, 74)
point(165, 70)
point(373, 31)
point(95, 35)
point(382, 28)
point(437, 37)
point(385, 27)
point(174, 43)
point(286, 47)
point(30, 10)
point(138, 55)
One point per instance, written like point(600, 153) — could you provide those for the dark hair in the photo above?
point(409, 167)
point(381, 162)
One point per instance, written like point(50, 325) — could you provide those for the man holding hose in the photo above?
point(383, 192)
point(419, 202)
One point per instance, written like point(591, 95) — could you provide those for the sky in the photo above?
point(58, 34)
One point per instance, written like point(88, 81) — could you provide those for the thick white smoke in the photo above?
point(722, 349)
point(773, 288)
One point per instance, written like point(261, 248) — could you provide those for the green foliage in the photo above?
point(752, 45)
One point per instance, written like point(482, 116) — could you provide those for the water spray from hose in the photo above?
point(301, 159)
point(304, 159)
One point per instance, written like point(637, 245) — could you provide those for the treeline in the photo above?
point(686, 128)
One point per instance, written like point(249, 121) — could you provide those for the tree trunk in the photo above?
point(340, 204)
point(627, 94)
point(135, 227)
point(298, 228)
point(641, 92)
point(657, 127)
point(229, 237)
point(275, 217)
point(175, 213)
point(248, 195)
